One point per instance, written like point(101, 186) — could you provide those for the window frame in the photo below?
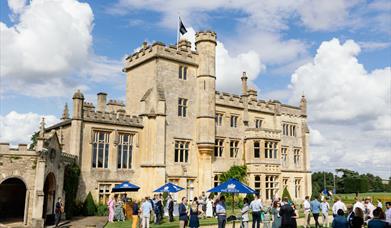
point(219, 148)
point(233, 148)
point(129, 150)
point(182, 107)
point(258, 148)
point(96, 143)
point(181, 152)
point(234, 121)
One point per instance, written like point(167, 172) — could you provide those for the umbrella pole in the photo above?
point(233, 205)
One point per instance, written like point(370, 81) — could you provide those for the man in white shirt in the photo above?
point(338, 205)
point(256, 207)
point(307, 210)
point(388, 213)
point(358, 204)
point(369, 207)
point(146, 208)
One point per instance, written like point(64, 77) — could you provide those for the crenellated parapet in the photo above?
point(182, 54)
point(116, 118)
point(271, 106)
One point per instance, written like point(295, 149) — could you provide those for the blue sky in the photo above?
point(287, 47)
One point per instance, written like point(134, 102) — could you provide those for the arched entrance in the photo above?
point(12, 199)
point(49, 190)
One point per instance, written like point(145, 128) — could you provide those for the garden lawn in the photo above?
point(164, 224)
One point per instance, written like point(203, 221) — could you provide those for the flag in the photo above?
point(182, 28)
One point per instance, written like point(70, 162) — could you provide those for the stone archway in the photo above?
point(49, 190)
point(13, 199)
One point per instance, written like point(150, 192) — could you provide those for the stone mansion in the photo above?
point(176, 127)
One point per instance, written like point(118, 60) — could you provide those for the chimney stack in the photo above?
point(101, 106)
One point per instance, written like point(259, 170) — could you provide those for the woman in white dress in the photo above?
point(209, 208)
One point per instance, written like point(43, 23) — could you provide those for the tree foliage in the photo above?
point(348, 181)
point(238, 172)
point(33, 140)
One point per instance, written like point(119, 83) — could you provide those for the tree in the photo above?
point(238, 172)
point(33, 140)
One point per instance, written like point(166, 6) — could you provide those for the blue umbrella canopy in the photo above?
point(233, 186)
point(125, 187)
point(169, 187)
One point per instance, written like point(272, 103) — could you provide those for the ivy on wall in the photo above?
point(71, 183)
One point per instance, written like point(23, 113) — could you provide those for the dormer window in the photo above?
point(182, 73)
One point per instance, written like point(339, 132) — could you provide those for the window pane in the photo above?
point(124, 157)
point(106, 155)
point(130, 157)
point(100, 155)
point(184, 73)
point(180, 72)
point(94, 151)
point(119, 155)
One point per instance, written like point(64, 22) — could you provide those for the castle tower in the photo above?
point(76, 124)
point(206, 88)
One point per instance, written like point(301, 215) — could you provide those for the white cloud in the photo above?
point(46, 51)
point(373, 45)
point(338, 87)
point(17, 127)
point(229, 69)
point(349, 109)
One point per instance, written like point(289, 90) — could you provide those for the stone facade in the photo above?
point(176, 127)
point(32, 180)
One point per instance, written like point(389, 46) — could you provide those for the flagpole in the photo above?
point(177, 33)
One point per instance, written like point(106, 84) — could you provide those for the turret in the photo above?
point(78, 99)
point(206, 87)
point(65, 113)
point(303, 106)
point(245, 98)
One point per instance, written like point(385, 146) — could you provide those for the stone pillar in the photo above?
point(26, 207)
point(76, 125)
point(37, 219)
point(206, 108)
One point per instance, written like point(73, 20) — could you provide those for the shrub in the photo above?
point(285, 193)
point(89, 207)
point(102, 210)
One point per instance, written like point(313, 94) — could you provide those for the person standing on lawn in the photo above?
point(221, 212)
point(110, 205)
point(376, 221)
point(135, 212)
point(340, 221)
point(325, 212)
point(307, 212)
point(338, 204)
point(286, 213)
point(276, 217)
point(194, 212)
point(146, 208)
point(244, 212)
point(209, 207)
point(315, 209)
point(183, 213)
point(170, 208)
point(256, 207)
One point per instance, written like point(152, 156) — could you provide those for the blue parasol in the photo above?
point(125, 187)
point(233, 186)
point(169, 187)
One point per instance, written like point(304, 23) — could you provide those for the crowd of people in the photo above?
point(274, 213)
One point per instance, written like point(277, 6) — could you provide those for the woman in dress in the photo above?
point(194, 212)
point(118, 210)
point(276, 217)
point(209, 208)
point(267, 218)
point(110, 205)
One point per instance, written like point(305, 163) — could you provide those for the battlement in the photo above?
point(117, 118)
point(147, 52)
point(271, 106)
point(22, 149)
point(116, 102)
point(206, 36)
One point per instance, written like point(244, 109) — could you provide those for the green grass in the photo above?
point(164, 224)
